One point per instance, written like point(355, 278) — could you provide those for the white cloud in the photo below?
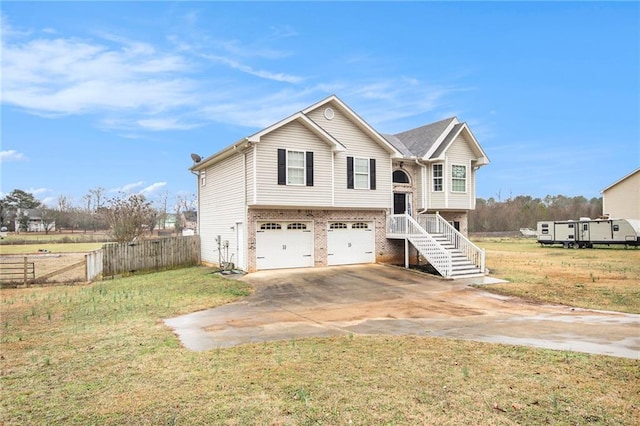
point(49, 201)
point(11, 155)
point(153, 187)
point(133, 86)
point(159, 124)
point(280, 77)
point(130, 187)
point(37, 191)
point(70, 76)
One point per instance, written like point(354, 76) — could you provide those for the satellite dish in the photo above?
point(196, 158)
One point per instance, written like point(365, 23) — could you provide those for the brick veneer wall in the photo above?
point(387, 251)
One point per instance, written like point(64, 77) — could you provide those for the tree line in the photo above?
point(124, 217)
point(525, 211)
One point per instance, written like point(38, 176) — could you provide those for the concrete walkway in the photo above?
point(378, 299)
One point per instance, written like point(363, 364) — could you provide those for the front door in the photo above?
point(401, 203)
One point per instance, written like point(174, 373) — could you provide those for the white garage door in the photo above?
point(284, 245)
point(350, 242)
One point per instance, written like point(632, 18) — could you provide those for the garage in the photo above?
point(350, 243)
point(284, 245)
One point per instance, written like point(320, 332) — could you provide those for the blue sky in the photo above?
point(118, 94)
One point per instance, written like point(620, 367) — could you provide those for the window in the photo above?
point(295, 168)
point(338, 225)
point(361, 173)
point(360, 225)
point(270, 226)
point(437, 177)
point(458, 178)
point(296, 226)
point(399, 176)
point(616, 228)
point(203, 178)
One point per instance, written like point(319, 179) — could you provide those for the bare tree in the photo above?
point(47, 218)
point(96, 194)
point(129, 217)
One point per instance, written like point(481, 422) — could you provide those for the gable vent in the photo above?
point(329, 114)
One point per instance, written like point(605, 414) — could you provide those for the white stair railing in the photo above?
point(435, 224)
point(439, 257)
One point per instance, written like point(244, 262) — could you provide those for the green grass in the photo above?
point(603, 278)
point(100, 354)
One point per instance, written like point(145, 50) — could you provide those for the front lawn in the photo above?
point(101, 354)
point(606, 278)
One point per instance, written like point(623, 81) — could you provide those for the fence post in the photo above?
point(25, 271)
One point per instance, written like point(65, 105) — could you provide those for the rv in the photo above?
point(584, 233)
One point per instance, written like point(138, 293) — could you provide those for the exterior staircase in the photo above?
point(446, 249)
point(461, 266)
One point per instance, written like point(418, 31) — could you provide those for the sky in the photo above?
point(117, 95)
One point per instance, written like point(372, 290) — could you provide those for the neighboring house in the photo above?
point(31, 220)
point(622, 199)
point(322, 187)
point(189, 219)
point(166, 221)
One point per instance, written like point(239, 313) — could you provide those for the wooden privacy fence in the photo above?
point(93, 264)
point(150, 255)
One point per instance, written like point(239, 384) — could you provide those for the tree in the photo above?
point(20, 199)
point(129, 217)
point(47, 218)
point(9, 205)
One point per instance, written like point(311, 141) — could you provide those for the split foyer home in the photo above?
point(322, 187)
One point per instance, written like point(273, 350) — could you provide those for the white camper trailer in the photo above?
point(584, 233)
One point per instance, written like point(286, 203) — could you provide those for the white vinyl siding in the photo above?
point(458, 195)
point(292, 137)
point(221, 206)
point(459, 153)
point(622, 200)
point(358, 145)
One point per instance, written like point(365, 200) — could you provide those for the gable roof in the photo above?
point(620, 180)
point(430, 142)
point(419, 141)
point(357, 120)
point(302, 118)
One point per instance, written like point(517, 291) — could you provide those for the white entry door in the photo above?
point(282, 245)
point(350, 243)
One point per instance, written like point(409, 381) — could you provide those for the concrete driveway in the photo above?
point(379, 299)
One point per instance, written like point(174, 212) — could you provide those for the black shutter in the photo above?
point(372, 173)
point(350, 172)
point(282, 167)
point(309, 168)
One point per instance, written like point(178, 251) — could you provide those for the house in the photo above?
point(322, 187)
point(34, 220)
point(621, 199)
point(166, 221)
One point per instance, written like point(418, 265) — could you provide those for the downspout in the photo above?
point(197, 174)
point(424, 188)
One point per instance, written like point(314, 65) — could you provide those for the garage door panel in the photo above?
point(284, 245)
point(350, 243)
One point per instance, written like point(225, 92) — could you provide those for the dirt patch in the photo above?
point(47, 266)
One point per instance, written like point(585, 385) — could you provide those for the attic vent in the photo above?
point(329, 114)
